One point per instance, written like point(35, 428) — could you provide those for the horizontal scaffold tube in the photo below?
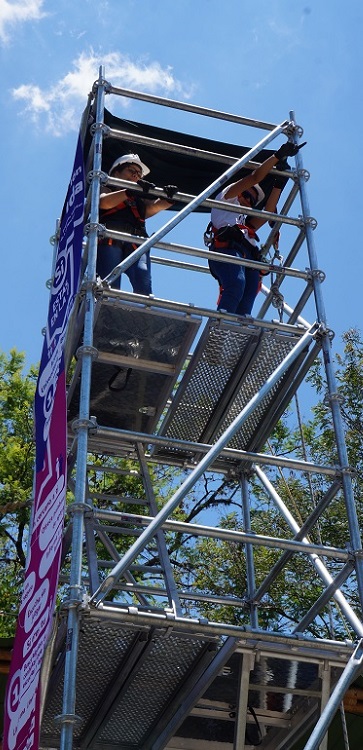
point(231, 453)
point(194, 108)
point(227, 535)
point(208, 255)
point(303, 648)
point(279, 219)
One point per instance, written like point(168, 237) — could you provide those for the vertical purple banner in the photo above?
point(21, 720)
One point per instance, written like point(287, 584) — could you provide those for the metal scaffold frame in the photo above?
point(261, 364)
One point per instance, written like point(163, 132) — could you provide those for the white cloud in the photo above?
point(58, 108)
point(13, 13)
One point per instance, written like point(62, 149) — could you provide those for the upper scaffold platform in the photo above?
point(138, 375)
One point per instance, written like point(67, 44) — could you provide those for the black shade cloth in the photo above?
point(191, 173)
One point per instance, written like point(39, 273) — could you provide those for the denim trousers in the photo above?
point(109, 256)
point(238, 285)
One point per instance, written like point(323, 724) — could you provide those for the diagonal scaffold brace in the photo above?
point(203, 466)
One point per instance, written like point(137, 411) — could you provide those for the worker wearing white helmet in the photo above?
point(234, 233)
point(125, 210)
point(130, 159)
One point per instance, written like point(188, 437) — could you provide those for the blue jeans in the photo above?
point(238, 285)
point(109, 256)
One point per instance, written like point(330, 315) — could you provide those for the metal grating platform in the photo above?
point(229, 366)
point(127, 679)
point(149, 688)
point(141, 352)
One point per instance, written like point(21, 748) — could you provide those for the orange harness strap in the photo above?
point(131, 203)
point(219, 243)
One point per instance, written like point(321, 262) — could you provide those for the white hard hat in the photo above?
point(130, 159)
point(260, 193)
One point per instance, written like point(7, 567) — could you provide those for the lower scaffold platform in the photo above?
point(153, 686)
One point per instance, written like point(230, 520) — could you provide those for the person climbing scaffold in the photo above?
point(126, 210)
point(235, 233)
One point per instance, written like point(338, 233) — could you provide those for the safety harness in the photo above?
point(221, 238)
point(132, 212)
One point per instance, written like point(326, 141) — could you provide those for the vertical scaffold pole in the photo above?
point(250, 567)
point(351, 671)
point(331, 381)
point(82, 425)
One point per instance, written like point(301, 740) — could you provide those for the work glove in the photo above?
point(144, 184)
point(170, 190)
point(288, 149)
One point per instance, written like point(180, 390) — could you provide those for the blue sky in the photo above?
point(259, 60)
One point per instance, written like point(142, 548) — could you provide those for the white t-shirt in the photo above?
point(221, 218)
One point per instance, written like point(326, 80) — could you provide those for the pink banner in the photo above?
point(21, 720)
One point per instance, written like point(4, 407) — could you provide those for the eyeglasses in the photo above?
point(134, 172)
point(248, 196)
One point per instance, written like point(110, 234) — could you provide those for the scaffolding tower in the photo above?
point(133, 661)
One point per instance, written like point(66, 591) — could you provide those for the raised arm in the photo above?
point(287, 149)
point(271, 205)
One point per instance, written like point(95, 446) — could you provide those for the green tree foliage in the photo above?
point(16, 479)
